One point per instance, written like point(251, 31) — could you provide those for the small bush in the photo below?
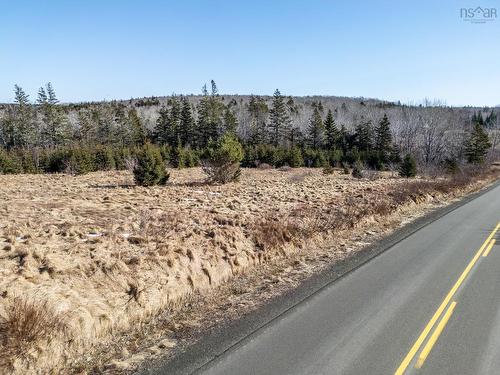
point(150, 169)
point(328, 170)
point(8, 164)
point(24, 325)
point(357, 171)
point(345, 168)
point(294, 158)
point(222, 159)
point(408, 167)
point(104, 159)
point(451, 166)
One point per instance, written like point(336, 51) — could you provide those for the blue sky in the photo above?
point(396, 50)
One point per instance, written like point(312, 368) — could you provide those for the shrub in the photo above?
point(150, 168)
point(450, 165)
point(8, 164)
point(315, 158)
point(104, 159)
point(345, 168)
point(408, 167)
point(328, 170)
point(221, 161)
point(294, 158)
point(357, 171)
point(182, 157)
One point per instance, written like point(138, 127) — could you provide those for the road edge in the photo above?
point(226, 336)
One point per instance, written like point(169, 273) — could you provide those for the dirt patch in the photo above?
point(117, 262)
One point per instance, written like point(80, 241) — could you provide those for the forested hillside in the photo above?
point(277, 130)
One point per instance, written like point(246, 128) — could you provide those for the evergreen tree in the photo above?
point(258, 110)
point(364, 136)
point(383, 139)
point(408, 167)
point(332, 134)
point(150, 169)
point(477, 145)
point(230, 121)
point(174, 121)
point(279, 119)
point(187, 127)
point(87, 129)
point(316, 130)
point(106, 126)
point(19, 127)
point(137, 132)
point(343, 140)
point(56, 127)
point(295, 137)
point(210, 110)
point(161, 127)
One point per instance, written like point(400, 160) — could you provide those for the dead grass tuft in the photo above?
point(25, 324)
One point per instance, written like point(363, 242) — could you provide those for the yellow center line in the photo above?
point(416, 346)
point(488, 249)
point(432, 340)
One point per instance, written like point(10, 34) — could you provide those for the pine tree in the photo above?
point(331, 132)
point(477, 145)
point(383, 139)
point(316, 130)
point(279, 119)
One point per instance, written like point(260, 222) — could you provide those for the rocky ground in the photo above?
point(93, 264)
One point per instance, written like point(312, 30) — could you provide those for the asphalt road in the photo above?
point(428, 305)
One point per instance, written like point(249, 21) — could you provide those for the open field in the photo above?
point(84, 258)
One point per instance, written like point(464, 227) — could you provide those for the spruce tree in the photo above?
point(331, 132)
point(258, 111)
point(364, 136)
point(408, 167)
point(279, 119)
point(383, 139)
point(230, 121)
point(316, 130)
point(161, 127)
point(136, 128)
point(56, 126)
point(210, 110)
point(150, 168)
point(477, 144)
point(187, 126)
point(23, 124)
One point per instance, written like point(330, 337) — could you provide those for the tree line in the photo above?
point(183, 129)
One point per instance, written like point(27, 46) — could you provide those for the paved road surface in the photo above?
point(429, 305)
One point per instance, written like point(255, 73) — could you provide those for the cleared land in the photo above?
point(84, 258)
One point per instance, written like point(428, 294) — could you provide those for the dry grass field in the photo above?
point(84, 258)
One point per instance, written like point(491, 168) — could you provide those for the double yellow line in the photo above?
point(416, 346)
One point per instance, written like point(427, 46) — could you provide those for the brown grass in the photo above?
point(117, 257)
point(27, 323)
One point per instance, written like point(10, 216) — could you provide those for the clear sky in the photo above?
point(396, 50)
